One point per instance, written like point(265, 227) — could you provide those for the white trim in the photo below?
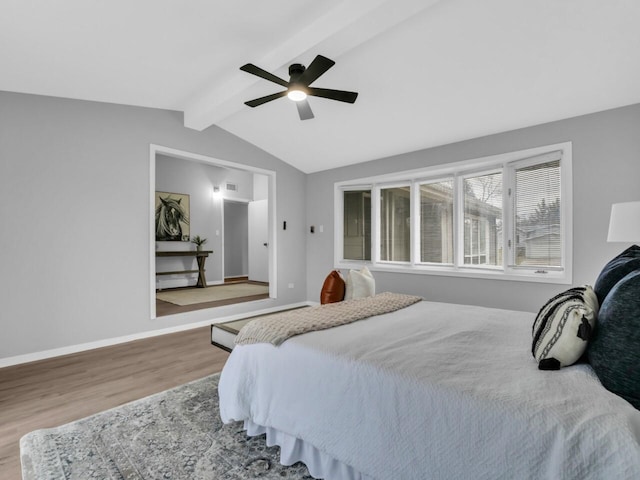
point(414, 206)
point(375, 224)
point(338, 224)
point(181, 280)
point(273, 264)
point(154, 150)
point(222, 242)
point(444, 169)
point(451, 271)
point(152, 231)
point(502, 163)
point(83, 347)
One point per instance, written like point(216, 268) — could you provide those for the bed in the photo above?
point(432, 391)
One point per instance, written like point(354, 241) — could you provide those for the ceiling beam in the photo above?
point(343, 28)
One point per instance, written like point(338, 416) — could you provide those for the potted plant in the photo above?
point(199, 241)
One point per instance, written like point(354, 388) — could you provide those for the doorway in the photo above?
point(236, 240)
point(219, 194)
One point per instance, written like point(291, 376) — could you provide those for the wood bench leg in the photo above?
point(202, 280)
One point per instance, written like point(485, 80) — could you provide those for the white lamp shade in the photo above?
point(624, 225)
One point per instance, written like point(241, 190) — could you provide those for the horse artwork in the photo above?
point(172, 217)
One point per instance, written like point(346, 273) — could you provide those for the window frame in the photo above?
point(354, 189)
point(506, 163)
point(415, 213)
point(376, 212)
point(461, 177)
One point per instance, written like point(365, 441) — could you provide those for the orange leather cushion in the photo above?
point(332, 289)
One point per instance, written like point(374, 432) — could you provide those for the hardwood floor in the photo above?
point(53, 392)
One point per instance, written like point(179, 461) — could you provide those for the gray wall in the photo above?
point(75, 246)
point(606, 169)
point(236, 239)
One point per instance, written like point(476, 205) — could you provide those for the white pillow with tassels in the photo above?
point(563, 328)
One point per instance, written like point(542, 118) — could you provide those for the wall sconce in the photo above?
point(217, 193)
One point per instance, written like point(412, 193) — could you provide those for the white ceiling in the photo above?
point(428, 72)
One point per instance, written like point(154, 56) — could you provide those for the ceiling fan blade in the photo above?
point(339, 95)
point(304, 110)
point(319, 65)
point(251, 68)
point(268, 98)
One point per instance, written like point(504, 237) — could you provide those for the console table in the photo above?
point(201, 257)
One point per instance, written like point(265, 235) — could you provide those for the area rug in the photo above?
point(191, 296)
point(175, 434)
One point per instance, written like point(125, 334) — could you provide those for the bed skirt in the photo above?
point(292, 450)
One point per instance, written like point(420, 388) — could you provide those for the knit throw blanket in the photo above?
point(278, 327)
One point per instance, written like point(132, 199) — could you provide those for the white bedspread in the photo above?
point(435, 391)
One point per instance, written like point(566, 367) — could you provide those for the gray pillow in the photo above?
point(614, 351)
point(625, 263)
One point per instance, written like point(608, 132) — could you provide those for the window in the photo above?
point(483, 219)
point(537, 215)
point(357, 225)
point(395, 224)
point(506, 216)
point(436, 222)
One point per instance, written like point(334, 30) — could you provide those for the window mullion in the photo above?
point(508, 220)
point(375, 224)
point(458, 226)
point(415, 223)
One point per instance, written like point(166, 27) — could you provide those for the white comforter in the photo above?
point(435, 391)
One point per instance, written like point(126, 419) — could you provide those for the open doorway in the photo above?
point(245, 231)
point(206, 195)
point(236, 241)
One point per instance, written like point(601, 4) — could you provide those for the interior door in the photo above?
point(259, 240)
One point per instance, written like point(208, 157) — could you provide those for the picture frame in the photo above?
point(172, 217)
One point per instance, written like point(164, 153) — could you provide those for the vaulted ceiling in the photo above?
point(428, 72)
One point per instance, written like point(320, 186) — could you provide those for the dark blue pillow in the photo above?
point(614, 351)
point(625, 263)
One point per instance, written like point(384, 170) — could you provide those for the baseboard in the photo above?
point(234, 278)
point(58, 352)
point(183, 283)
point(172, 282)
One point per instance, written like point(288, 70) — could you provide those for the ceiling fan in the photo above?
point(298, 87)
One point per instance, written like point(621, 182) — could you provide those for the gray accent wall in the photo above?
point(75, 216)
point(75, 244)
point(606, 170)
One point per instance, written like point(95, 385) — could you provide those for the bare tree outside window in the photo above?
point(483, 220)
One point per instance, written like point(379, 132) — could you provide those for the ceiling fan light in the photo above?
point(296, 95)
